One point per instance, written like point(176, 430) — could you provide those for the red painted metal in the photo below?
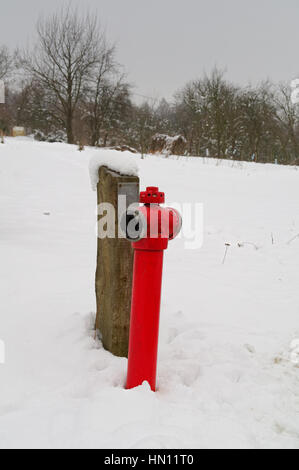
point(152, 195)
point(162, 224)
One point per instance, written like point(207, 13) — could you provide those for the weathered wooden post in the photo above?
point(114, 266)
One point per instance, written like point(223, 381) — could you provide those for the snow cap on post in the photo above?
point(124, 163)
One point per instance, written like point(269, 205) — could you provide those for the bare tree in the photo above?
point(145, 125)
point(116, 105)
point(100, 91)
point(258, 122)
point(206, 109)
point(6, 66)
point(6, 62)
point(66, 52)
point(287, 115)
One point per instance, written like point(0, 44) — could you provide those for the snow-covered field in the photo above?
point(228, 369)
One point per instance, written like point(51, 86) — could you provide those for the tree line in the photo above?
point(69, 86)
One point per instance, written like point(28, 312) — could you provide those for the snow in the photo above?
point(123, 162)
point(228, 350)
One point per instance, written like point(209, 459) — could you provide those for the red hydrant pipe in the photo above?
point(145, 313)
point(162, 224)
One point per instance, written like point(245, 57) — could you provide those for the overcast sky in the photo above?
point(165, 43)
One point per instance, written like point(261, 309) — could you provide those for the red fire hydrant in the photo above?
point(159, 225)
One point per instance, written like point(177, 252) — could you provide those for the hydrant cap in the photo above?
point(152, 195)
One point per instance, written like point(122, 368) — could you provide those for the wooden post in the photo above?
point(114, 267)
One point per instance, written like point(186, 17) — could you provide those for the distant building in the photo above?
point(18, 131)
point(162, 143)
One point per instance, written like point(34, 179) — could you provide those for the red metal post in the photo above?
point(162, 224)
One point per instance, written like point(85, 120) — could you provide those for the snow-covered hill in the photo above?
point(228, 368)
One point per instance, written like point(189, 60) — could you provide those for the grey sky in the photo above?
point(165, 43)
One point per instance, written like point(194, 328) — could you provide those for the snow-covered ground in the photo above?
point(227, 374)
